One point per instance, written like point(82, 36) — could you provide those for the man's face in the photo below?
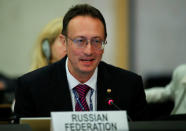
point(84, 60)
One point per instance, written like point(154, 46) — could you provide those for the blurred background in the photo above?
point(144, 36)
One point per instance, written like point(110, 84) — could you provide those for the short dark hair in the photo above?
point(82, 10)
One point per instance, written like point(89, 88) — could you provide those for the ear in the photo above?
point(63, 41)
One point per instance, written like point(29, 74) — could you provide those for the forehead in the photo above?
point(85, 25)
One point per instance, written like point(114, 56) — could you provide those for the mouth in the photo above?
point(87, 61)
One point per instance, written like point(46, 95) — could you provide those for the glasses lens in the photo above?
point(96, 43)
point(80, 42)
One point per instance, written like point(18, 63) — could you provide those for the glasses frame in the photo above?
point(103, 43)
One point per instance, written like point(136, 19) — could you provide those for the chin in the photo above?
point(88, 70)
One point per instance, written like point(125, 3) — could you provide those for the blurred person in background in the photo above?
point(175, 91)
point(48, 48)
point(7, 88)
point(7, 96)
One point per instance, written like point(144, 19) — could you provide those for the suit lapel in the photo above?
point(63, 97)
point(102, 86)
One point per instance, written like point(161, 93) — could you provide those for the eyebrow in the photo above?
point(95, 37)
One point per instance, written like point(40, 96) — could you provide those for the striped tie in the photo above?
point(82, 91)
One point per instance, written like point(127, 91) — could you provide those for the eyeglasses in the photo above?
point(82, 42)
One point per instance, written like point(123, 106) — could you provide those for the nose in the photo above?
point(88, 50)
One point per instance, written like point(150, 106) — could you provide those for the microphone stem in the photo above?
point(120, 109)
point(115, 105)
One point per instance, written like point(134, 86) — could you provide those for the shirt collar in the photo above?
point(72, 81)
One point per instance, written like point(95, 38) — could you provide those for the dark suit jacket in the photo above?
point(46, 89)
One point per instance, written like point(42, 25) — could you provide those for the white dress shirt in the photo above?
point(73, 82)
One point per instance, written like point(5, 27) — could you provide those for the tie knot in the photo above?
point(82, 89)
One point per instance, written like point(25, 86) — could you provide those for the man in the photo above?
point(58, 87)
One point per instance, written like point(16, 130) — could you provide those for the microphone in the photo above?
point(110, 102)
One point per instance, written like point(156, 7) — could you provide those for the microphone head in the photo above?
point(110, 101)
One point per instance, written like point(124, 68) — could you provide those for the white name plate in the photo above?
point(89, 121)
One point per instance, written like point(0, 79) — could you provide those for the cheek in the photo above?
point(61, 48)
point(99, 53)
point(58, 50)
point(55, 50)
point(74, 52)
